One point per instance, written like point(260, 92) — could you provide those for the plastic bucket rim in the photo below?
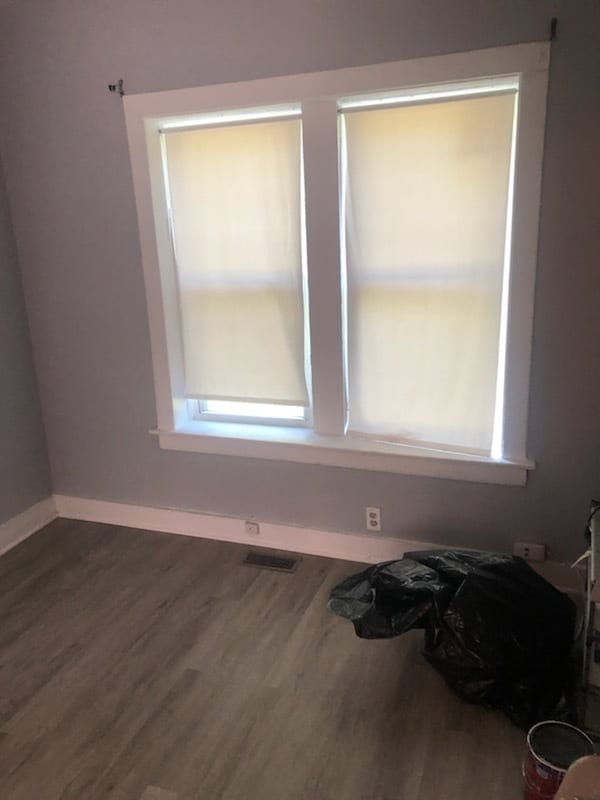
point(544, 761)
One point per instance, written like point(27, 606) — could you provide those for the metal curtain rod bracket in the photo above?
point(117, 87)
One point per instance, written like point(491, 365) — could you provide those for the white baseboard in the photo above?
point(26, 523)
point(332, 544)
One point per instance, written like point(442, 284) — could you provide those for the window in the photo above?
point(426, 201)
point(234, 196)
point(340, 266)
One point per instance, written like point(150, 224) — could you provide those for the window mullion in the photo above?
point(320, 143)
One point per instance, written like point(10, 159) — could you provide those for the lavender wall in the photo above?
point(69, 181)
point(24, 471)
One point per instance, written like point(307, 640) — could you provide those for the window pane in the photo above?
point(235, 202)
point(257, 410)
point(426, 195)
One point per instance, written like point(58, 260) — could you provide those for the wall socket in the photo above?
point(373, 516)
point(530, 551)
point(252, 528)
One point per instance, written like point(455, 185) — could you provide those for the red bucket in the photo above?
point(551, 749)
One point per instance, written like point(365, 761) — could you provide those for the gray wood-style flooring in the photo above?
point(145, 666)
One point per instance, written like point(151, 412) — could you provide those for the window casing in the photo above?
point(326, 432)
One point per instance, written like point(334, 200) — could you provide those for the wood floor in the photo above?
point(144, 666)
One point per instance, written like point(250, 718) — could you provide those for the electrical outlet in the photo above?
point(373, 518)
point(252, 528)
point(530, 551)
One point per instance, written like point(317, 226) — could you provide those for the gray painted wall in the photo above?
point(73, 208)
point(24, 470)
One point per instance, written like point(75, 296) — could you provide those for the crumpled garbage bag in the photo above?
point(498, 632)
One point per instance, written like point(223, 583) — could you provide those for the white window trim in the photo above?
point(317, 93)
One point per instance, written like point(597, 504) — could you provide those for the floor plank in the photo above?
point(143, 666)
point(156, 793)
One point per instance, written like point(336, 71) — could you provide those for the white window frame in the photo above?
point(318, 95)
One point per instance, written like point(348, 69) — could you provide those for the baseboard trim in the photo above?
point(25, 524)
point(311, 541)
point(332, 544)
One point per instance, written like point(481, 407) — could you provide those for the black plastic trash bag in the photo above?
point(390, 598)
point(498, 633)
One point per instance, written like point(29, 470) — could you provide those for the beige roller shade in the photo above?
point(425, 226)
point(235, 196)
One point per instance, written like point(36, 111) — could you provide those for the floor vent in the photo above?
point(279, 563)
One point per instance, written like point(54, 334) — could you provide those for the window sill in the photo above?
point(305, 446)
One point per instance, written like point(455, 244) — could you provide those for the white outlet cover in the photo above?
point(373, 518)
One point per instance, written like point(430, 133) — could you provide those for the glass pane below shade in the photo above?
point(258, 410)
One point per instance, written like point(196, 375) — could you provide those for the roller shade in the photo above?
point(235, 196)
point(426, 196)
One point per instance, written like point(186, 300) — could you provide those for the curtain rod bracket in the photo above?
point(117, 87)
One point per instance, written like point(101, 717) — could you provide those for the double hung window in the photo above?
point(339, 266)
